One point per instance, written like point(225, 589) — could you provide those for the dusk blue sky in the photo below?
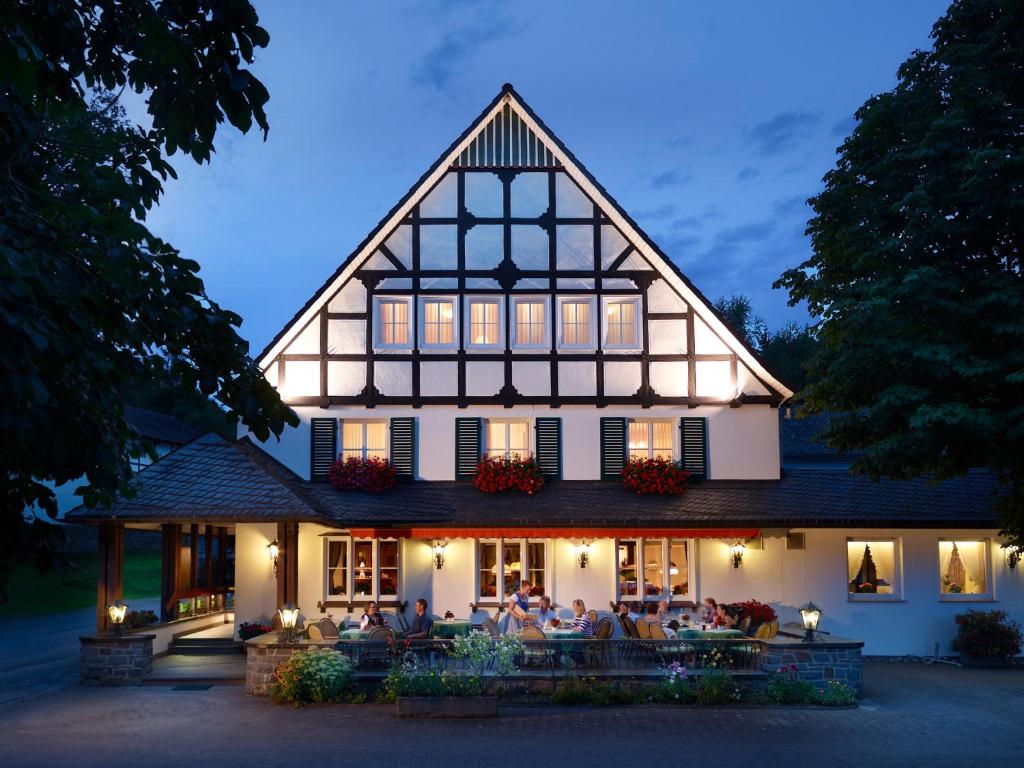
point(711, 123)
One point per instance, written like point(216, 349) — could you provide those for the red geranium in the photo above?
point(658, 475)
point(372, 475)
point(502, 473)
point(758, 612)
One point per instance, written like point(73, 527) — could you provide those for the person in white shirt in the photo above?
point(545, 614)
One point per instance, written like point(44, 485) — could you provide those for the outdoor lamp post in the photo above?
point(274, 551)
point(439, 548)
point(736, 552)
point(289, 618)
point(117, 611)
point(583, 554)
point(811, 615)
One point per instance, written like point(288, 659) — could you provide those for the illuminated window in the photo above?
point(873, 569)
point(484, 323)
point(368, 569)
point(575, 319)
point(650, 439)
point(505, 438)
point(392, 322)
point(531, 323)
point(620, 323)
point(337, 567)
point(438, 322)
point(364, 439)
point(964, 570)
point(519, 559)
point(654, 569)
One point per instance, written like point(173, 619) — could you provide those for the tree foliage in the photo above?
point(90, 299)
point(916, 271)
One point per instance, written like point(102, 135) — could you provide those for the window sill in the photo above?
point(875, 599)
point(961, 598)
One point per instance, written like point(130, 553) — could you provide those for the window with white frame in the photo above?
point(438, 322)
point(506, 437)
point(530, 329)
point(366, 569)
point(502, 564)
point(392, 326)
point(873, 569)
point(964, 570)
point(650, 439)
point(484, 327)
point(620, 323)
point(576, 318)
point(655, 569)
point(364, 439)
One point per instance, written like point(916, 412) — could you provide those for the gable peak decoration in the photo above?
point(506, 141)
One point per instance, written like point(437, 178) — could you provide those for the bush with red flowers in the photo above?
point(758, 612)
point(372, 475)
point(501, 473)
point(658, 475)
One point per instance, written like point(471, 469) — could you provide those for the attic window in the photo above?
point(392, 323)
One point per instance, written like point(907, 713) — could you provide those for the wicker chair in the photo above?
point(603, 630)
point(328, 629)
point(592, 614)
point(767, 630)
point(490, 626)
point(655, 630)
point(315, 635)
point(543, 655)
point(744, 626)
point(643, 629)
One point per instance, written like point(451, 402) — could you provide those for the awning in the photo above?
point(555, 533)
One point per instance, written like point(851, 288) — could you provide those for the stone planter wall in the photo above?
point(264, 654)
point(818, 661)
point(115, 661)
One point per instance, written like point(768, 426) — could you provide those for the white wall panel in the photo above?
point(345, 379)
point(301, 378)
point(714, 379)
point(661, 298)
point(484, 379)
point(743, 443)
point(346, 337)
point(705, 341)
point(351, 298)
point(438, 379)
point(577, 378)
point(621, 378)
point(747, 383)
point(532, 378)
point(668, 337)
point(307, 342)
point(393, 378)
point(670, 379)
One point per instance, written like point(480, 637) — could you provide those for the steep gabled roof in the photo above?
point(547, 150)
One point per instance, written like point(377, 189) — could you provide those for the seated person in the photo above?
point(664, 614)
point(544, 616)
point(422, 625)
point(651, 614)
point(726, 617)
point(622, 610)
point(581, 622)
point(635, 610)
point(373, 617)
point(708, 611)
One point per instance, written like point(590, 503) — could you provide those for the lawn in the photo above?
point(32, 594)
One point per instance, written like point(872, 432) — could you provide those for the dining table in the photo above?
point(562, 633)
point(692, 633)
point(355, 633)
point(448, 629)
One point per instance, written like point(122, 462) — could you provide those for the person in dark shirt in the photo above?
point(422, 624)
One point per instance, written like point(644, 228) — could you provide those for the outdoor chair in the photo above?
point(643, 629)
point(315, 635)
point(378, 652)
point(328, 629)
point(631, 630)
point(592, 615)
point(597, 652)
point(544, 655)
point(490, 627)
point(744, 626)
point(767, 630)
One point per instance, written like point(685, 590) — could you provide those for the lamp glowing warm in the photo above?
point(439, 549)
point(811, 615)
point(583, 554)
point(274, 551)
point(736, 553)
point(117, 610)
point(289, 615)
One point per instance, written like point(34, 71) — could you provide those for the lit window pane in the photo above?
point(394, 322)
point(576, 323)
point(363, 567)
point(388, 568)
point(639, 439)
point(662, 439)
point(497, 438)
point(622, 323)
point(650, 439)
point(654, 570)
point(627, 569)
point(438, 325)
point(512, 557)
point(679, 569)
point(488, 569)
point(483, 322)
point(351, 439)
point(963, 568)
point(871, 567)
point(337, 567)
point(376, 439)
point(535, 549)
point(530, 322)
point(519, 437)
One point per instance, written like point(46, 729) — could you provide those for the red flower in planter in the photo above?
point(372, 475)
point(515, 473)
point(654, 476)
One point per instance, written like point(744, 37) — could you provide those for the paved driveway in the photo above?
point(912, 715)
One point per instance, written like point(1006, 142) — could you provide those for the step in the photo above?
point(205, 641)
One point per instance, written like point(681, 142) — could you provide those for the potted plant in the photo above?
point(372, 474)
point(654, 476)
point(986, 639)
point(495, 474)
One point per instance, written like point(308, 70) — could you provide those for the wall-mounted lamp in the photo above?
point(1013, 555)
point(274, 551)
point(811, 615)
point(583, 554)
point(289, 618)
point(117, 610)
point(439, 549)
point(736, 553)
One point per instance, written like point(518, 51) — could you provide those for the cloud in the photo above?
point(651, 214)
point(783, 131)
point(680, 142)
point(689, 222)
point(747, 173)
point(458, 46)
point(672, 178)
point(796, 204)
point(844, 127)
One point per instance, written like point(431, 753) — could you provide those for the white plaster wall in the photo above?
point(743, 443)
point(345, 378)
point(393, 378)
point(345, 337)
point(670, 379)
point(621, 378)
point(255, 584)
point(438, 379)
point(351, 298)
point(668, 337)
point(307, 342)
point(532, 378)
point(484, 378)
point(577, 378)
point(661, 298)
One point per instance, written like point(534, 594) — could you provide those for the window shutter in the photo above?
point(549, 447)
point(694, 442)
point(323, 448)
point(403, 447)
point(467, 447)
point(613, 448)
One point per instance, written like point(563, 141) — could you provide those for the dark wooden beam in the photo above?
point(110, 578)
point(170, 569)
point(287, 563)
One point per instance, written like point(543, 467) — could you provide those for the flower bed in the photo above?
point(372, 475)
point(502, 473)
point(654, 476)
point(986, 635)
point(314, 676)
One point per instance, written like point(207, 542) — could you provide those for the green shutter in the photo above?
point(467, 447)
point(693, 432)
point(613, 448)
point(403, 447)
point(548, 431)
point(323, 448)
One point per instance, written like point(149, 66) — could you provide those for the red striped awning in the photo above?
point(484, 532)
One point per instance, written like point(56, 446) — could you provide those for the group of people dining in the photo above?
point(518, 613)
point(711, 614)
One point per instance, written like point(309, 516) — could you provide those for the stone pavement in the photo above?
point(911, 715)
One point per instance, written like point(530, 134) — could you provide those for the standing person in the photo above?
point(373, 617)
point(422, 625)
point(517, 614)
point(545, 614)
point(581, 622)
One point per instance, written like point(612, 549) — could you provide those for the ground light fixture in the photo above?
point(736, 553)
point(583, 554)
point(439, 550)
point(811, 615)
point(117, 610)
point(289, 618)
point(274, 550)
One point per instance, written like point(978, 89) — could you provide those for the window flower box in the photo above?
point(657, 475)
point(372, 474)
point(495, 474)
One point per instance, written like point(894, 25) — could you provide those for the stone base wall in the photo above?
point(817, 662)
point(115, 661)
point(264, 654)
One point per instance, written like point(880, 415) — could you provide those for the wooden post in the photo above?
point(110, 578)
point(193, 540)
point(209, 557)
point(287, 563)
point(170, 572)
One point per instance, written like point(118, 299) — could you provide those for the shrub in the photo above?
point(758, 612)
point(716, 686)
point(987, 634)
point(836, 694)
point(658, 476)
point(373, 475)
point(592, 693)
point(247, 630)
point(316, 676)
point(136, 619)
point(402, 681)
point(675, 688)
point(784, 687)
point(502, 473)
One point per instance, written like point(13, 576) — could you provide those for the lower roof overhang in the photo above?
point(563, 532)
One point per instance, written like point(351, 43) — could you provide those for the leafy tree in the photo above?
point(916, 272)
point(787, 351)
point(90, 299)
point(162, 388)
point(738, 313)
